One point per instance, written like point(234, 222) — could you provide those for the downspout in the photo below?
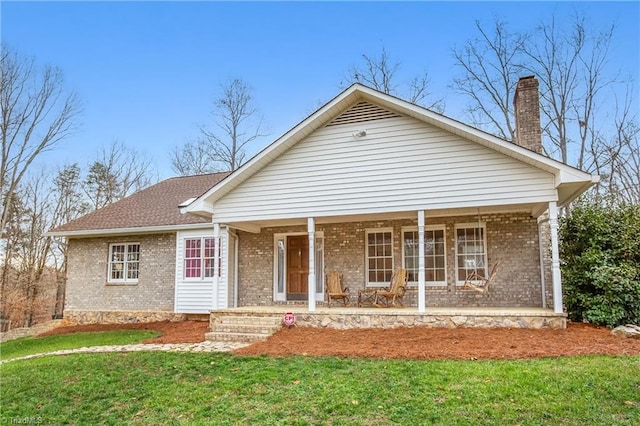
point(542, 280)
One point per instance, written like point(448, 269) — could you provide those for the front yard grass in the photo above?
point(33, 345)
point(221, 388)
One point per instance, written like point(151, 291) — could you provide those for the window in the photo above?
point(471, 254)
point(379, 257)
point(124, 263)
point(198, 257)
point(434, 255)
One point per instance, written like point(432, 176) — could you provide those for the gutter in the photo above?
point(124, 231)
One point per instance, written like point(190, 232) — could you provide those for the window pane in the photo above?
point(379, 256)
point(117, 270)
point(470, 252)
point(281, 266)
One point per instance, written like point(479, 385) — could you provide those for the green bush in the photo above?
point(600, 251)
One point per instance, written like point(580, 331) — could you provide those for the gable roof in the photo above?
point(155, 208)
point(569, 181)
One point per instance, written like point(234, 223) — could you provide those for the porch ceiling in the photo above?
point(531, 209)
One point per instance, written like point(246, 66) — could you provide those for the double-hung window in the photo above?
point(379, 252)
point(124, 263)
point(434, 255)
point(471, 251)
point(198, 257)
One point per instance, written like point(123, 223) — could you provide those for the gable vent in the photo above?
point(361, 112)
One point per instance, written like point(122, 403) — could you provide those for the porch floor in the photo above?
point(371, 317)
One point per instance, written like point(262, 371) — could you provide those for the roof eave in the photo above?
point(86, 233)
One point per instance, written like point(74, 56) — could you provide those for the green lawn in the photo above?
point(217, 388)
point(33, 345)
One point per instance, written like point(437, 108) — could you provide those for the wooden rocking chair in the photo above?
point(392, 296)
point(478, 282)
point(335, 290)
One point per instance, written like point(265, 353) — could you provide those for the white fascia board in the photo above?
point(127, 231)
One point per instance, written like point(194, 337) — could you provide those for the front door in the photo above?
point(297, 267)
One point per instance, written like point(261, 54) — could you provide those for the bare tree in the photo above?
point(194, 158)
point(223, 149)
point(36, 114)
point(616, 157)
point(116, 173)
point(567, 59)
point(379, 72)
point(570, 67)
point(27, 254)
point(69, 203)
point(491, 65)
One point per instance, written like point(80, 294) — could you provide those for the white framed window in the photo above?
point(379, 256)
point(198, 258)
point(471, 250)
point(124, 263)
point(435, 266)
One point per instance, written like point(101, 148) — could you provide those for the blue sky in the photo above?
point(147, 72)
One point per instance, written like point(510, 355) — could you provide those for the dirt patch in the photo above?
point(408, 343)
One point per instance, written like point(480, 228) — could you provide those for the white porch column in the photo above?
point(556, 278)
point(421, 286)
point(311, 229)
point(216, 262)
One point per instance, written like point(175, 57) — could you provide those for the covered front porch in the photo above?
point(287, 263)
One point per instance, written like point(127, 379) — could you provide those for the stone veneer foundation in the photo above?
point(343, 319)
point(120, 317)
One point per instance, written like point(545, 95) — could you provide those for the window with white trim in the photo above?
point(124, 263)
point(434, 255)
point(471, 253)
point(379, 254)
point(198, 257)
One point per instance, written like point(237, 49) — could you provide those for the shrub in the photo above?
point(600, 250)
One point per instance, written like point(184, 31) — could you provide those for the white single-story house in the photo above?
point(356, 187)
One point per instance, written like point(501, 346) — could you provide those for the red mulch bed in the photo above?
point(171, 332)
point(407, 343)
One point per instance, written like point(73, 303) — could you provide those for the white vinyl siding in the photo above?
point(401, 164)
point(199, 295)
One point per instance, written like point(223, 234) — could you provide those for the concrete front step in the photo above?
point(215, 336)
point(247, 328)
point(242, 328)
point(250, 320)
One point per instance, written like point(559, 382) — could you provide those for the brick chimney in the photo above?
point(526, 104)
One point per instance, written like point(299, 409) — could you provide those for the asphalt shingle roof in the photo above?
point(157, 205)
